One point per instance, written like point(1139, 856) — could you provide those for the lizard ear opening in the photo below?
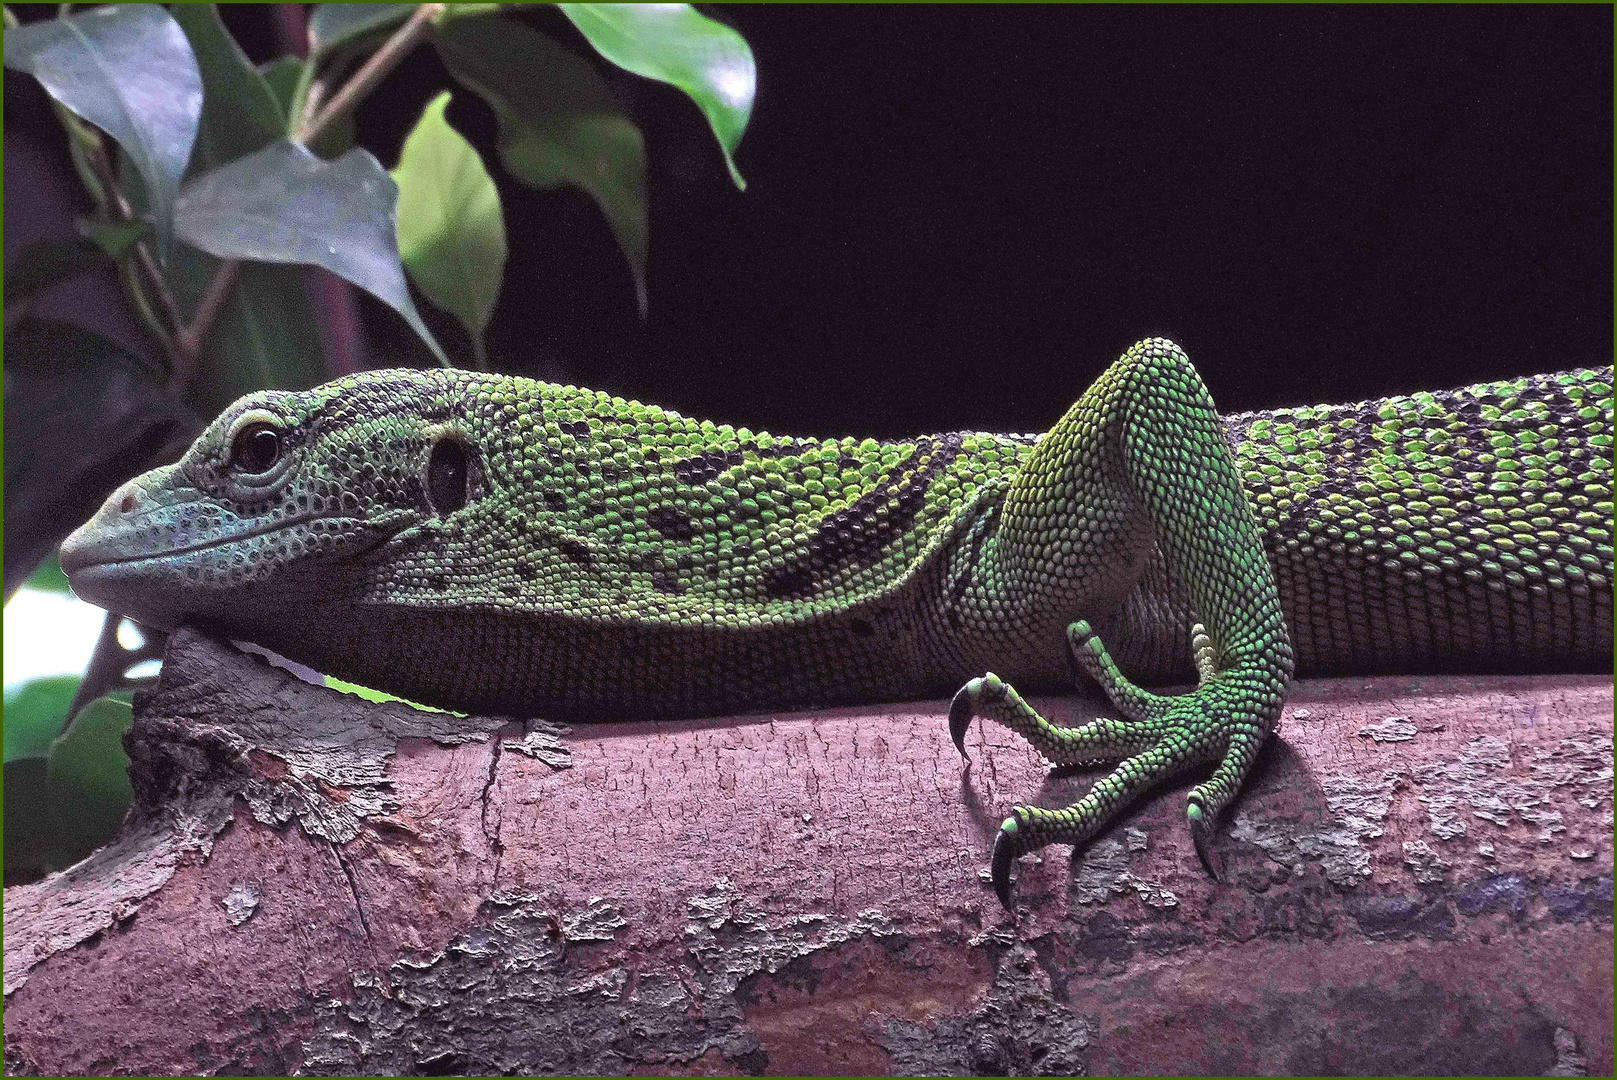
point(448, 478)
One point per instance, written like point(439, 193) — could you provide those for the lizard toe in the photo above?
point(1201, 835)
point(1006, 849)
point(961, 710)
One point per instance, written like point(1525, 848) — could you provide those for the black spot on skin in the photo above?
point(857, 535)
point(651, 455)
point(672, 522)
point(710, 463)
point(526, 571)
point(578, 429)
point(575, 551)
point(705, 466)
point(555, 500)
point(509, 589)
point(789, 580)
point(861, 628)
point(667, 581)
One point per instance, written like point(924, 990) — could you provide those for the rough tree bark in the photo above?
point(1418, 880)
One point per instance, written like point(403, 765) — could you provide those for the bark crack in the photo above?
point(359, 904)
point(496, 845)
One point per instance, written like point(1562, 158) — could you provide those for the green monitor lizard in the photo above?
point(492, 543)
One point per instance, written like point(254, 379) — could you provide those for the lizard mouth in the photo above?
point(95, 546)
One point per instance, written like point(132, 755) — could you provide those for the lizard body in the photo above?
point(493, 543)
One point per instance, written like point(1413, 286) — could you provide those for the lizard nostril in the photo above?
point(128, 505)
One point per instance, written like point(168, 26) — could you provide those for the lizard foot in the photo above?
point(1223, 721)
point(1101, 740)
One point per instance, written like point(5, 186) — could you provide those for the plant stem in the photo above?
point(382, 61)
point(194, 336)
point(121, 209)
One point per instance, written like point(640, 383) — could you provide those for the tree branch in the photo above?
point(802, 893)
point(372, 71)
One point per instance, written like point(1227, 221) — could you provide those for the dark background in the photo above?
point(957, 216)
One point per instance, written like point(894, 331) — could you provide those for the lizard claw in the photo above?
point(960, 712)
point(1201, 835)
point(1004, 856)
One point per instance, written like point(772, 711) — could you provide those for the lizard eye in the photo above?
point(256, 448)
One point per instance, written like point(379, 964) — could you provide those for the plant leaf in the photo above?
point(129, 70)
point(676, 44)
point(34, 713)
point(239, 111)
point(48, 576)
point(331, 25)
point(451, 231)
point(281, 75)
point(558, 122)
point(282, 204)
point(266, 336)
point(89, 756)
point(45, 264)
point(113, 237)
point(81, 417)
point(48, 826)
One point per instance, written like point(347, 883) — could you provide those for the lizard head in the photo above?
point(281, 483)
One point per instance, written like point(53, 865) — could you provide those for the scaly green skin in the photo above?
point(600, 559)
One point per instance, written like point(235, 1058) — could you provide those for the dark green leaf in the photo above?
point(336, 138)
point(35, 712)
point(239, 111)
point(281, 75)
point(128, 70)
point(81, 417)
point(676, 44)
point(113, 237)
point(266, 335)
point(48, 577)
point(558, 122)
point(50, 826)
point(283, 204)
point(89, 756)
point(331, 25)
point(47, 263)
point(451, 232)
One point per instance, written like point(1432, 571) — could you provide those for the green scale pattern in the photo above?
point(493, 543)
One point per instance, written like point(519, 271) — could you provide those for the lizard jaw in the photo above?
point(141, 556)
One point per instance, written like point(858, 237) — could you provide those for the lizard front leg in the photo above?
point(1144, 440)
